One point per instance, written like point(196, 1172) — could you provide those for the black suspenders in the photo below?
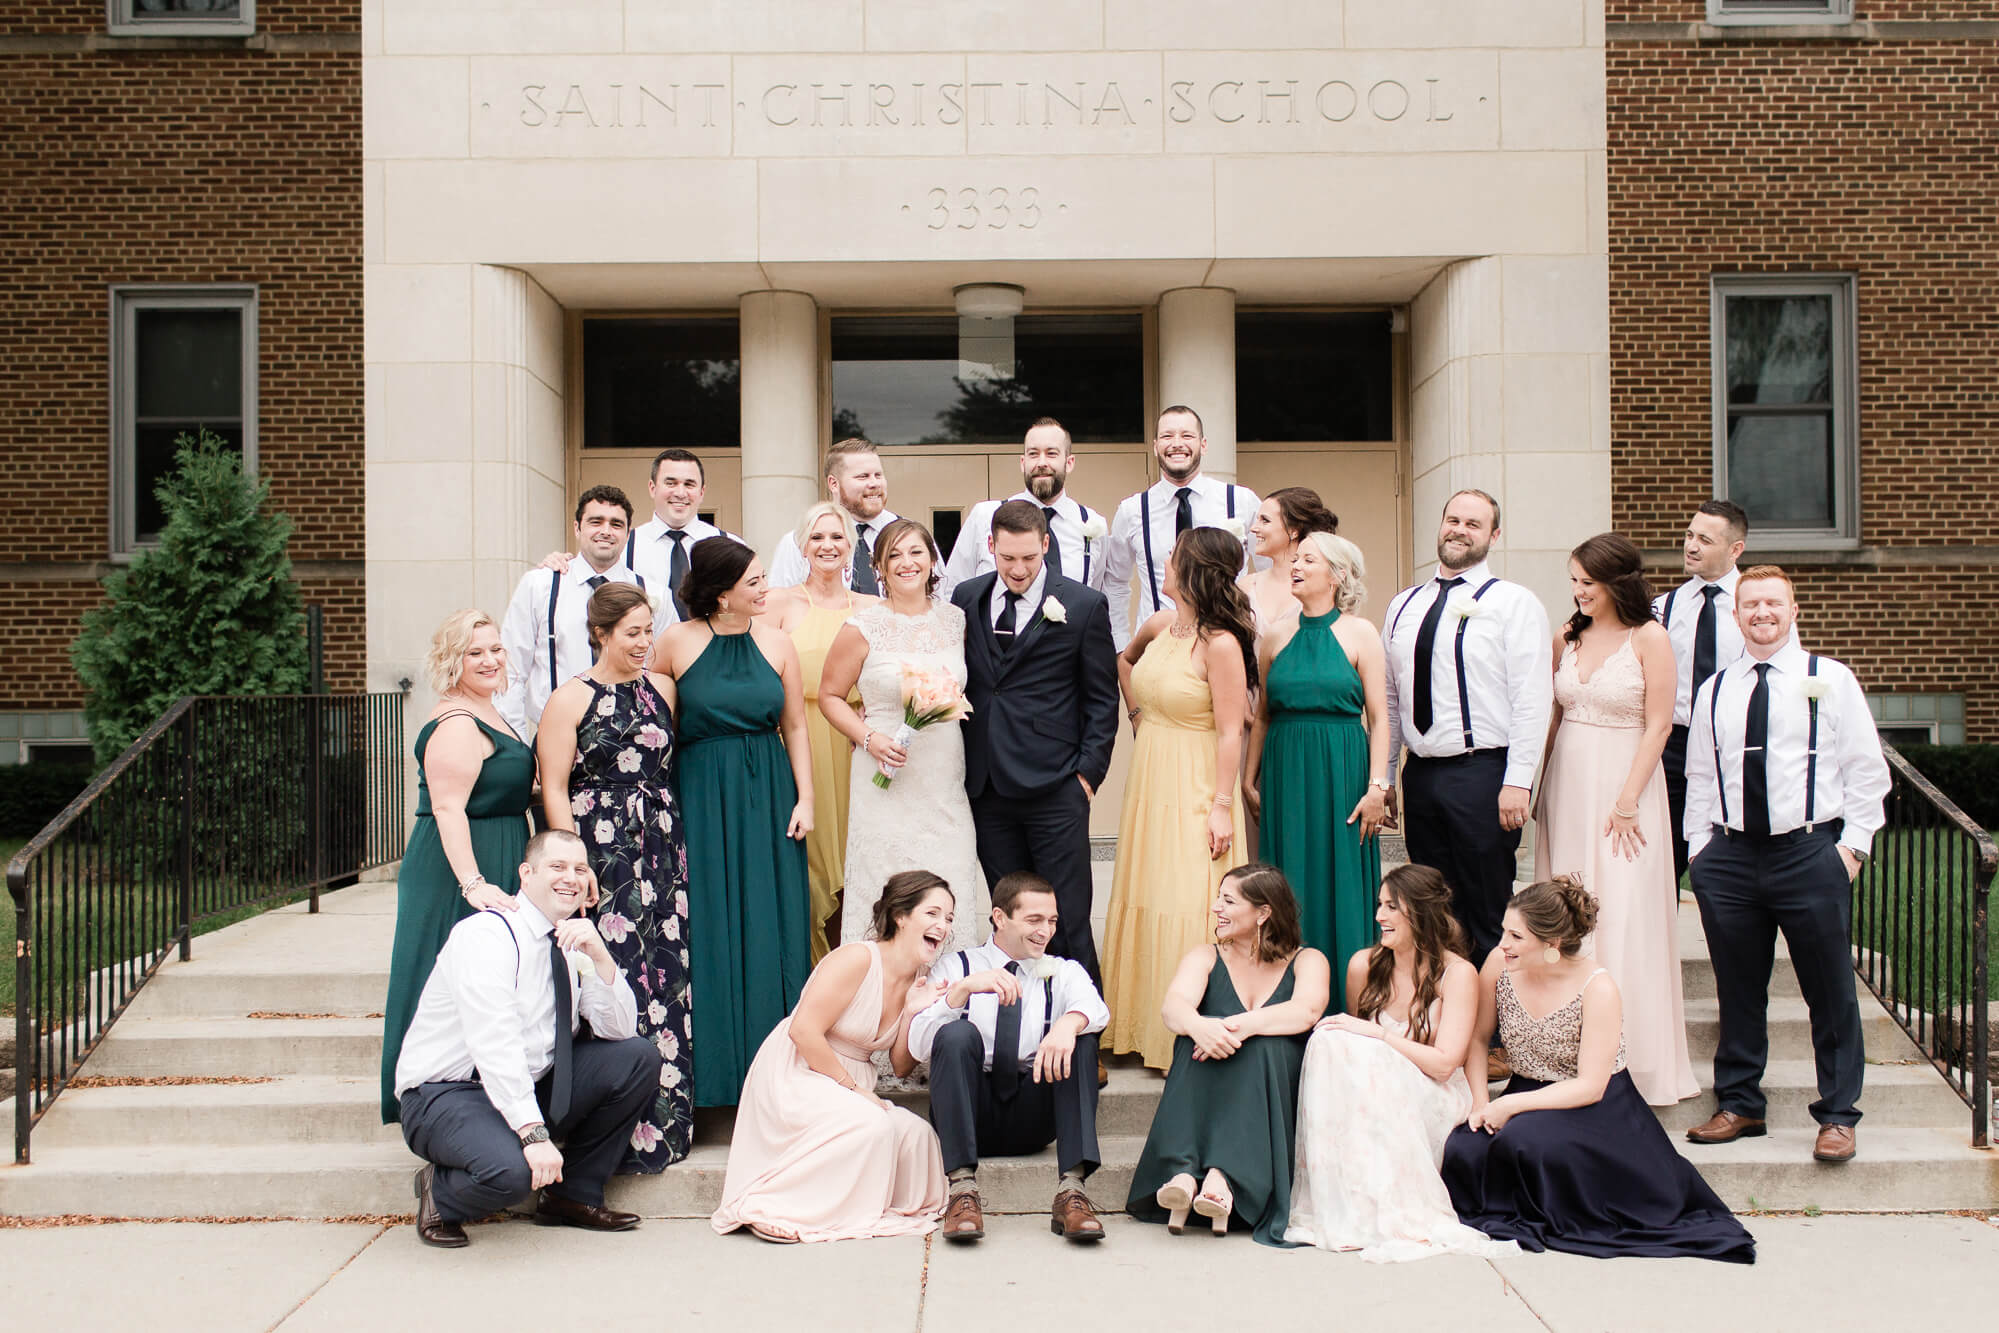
point(1464, 691)
point(554, 592)
point(1666, 616)
point(1047, 998)
point(1083, 510)
point(1145, 531)
point(1811, 747)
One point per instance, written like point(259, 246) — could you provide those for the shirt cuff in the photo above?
point(522, 1113)
point(1519, 775)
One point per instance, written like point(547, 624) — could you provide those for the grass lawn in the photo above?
point(1914, 904)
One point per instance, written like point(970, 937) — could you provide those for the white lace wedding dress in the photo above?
point(1371, 1131)
point(922, 821)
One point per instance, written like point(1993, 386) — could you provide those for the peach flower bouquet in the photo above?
point(928, 696)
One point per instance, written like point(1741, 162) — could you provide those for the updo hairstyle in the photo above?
point(713, 567)
point(1347, 561)
point(1557, 911)
point(1302, 512)
point(891, 536)
point(902, 894)
point(609, 605)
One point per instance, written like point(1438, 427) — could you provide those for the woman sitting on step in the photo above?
point(1570, 1157)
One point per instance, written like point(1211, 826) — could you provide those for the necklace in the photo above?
point(1179, 631)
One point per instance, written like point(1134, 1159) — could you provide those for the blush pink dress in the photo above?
point(1637, 926)
point(810, 1158)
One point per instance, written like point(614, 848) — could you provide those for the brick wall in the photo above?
point(209, 162)
point(1875, 158)
point(1878, 11)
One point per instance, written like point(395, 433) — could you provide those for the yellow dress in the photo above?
point(826, 845)
point(1163, 891)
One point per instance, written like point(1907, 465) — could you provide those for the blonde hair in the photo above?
point(446, 659)
point(815, 512)
point(1347, 560)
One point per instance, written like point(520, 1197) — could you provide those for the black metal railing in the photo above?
point(1922, 926)
point(224, 806)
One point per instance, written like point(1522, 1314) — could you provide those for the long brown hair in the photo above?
point(1205, 564)
point(1424, 899)
point(1619, 569)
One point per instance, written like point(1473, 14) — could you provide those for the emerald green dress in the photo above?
point(1238, 1115)
point(1314, 772)
point(428, 903)
point(746, 881)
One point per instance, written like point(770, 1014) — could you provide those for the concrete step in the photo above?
point(208, 1047)
point(1900, 1096)
point(1931, 1170)
point(192, 991)
point(1790, 1030)
point(312, 1109)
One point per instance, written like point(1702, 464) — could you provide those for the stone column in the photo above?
point(1197, 366)
point(782, 444)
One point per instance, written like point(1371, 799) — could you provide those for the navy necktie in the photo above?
point(676, 568)
point(864, 563)
point(1755, 760)
point(1426, 646)
point(561, 1071)
point(1003, 628)
point(1183, 511)
point(1054, 557)
point(1704, 641)
point(1006, 1042)
point(596, 581)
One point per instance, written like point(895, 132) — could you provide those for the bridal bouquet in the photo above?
point(928, 695)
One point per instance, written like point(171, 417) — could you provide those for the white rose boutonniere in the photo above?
point(1814, 687)
point(1235, 527)
point(1043, 968)
point(1054, 612)
point(1093, 527)
point(1465, 608)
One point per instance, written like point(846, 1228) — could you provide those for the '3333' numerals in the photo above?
point(994, 209)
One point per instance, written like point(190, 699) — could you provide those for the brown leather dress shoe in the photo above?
point(556, 1211)
point(1835, 1144)
point(1073, 1217)
point(430, 1228)
point(1497, 1067)
point(1103, 1072)
point(1727, 1127)
point(962, 1218)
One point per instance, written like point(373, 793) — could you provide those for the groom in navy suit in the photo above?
point(1044, 693)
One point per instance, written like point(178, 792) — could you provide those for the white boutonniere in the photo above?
point(1042, 969)
point(1093, 527)
point(581, 965)
point(1464, 608)
point(1814, 687)
point(1054, 612)
point(1234, 527)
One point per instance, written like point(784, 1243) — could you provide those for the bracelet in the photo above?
point(465, 888)
point(1224, 800)
point(1622, 813)
point(867, 740)
point(1132, 714)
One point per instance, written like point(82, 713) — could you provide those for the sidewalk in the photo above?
point(1834, 1272)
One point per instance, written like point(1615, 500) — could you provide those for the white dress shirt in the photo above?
point(524, 634)
point(1507, 679)
point(1852, 772)
point(788, 568)
point(1030, 602)
point(1082, 556)
point(1687, 600)
point(1073, 995)
point(1214, 504)
point(488, 1010)
point(649, 551)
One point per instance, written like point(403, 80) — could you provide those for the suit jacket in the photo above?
point(1048, 710)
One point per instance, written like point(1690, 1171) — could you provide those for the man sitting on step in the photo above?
point(493, 1072)
point(1012, 1046)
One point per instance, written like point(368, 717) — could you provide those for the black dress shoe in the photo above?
point(556, 1211)
point(430, 1228)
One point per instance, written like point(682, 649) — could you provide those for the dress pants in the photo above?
point(1452, 825)
point(1675, 761)
point(480, 1165)
point(1749, 888)
point(971, 1121)
point(1048, 834)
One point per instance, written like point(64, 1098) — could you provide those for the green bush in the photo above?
point(33, 794)
point(1968, 774)
point(211, 610)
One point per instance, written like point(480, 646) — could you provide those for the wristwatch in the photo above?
point(1382, 783)
point(539, 1134)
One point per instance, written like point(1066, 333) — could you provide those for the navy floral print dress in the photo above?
point(621, 795)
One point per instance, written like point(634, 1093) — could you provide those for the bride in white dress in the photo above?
point(921, 820)
point(1384, 1085)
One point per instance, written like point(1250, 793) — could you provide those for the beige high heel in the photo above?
point(1216, 1201)
point(1176, 1198)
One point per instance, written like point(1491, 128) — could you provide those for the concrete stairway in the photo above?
point(290, 1000)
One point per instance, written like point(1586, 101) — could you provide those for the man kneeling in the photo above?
point(1012, 1046)
point(492, 1069)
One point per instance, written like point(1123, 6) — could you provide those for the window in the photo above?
point(1314, 377)
point(44, 738)
point(1785, 407)
point(182, 359)
point(182, 18)
point(1735, 12)
point(661, 383)
point(1918, 719)
point(909, 380)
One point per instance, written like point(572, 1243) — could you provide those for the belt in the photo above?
point(1827, 828)
point(1459, 757)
